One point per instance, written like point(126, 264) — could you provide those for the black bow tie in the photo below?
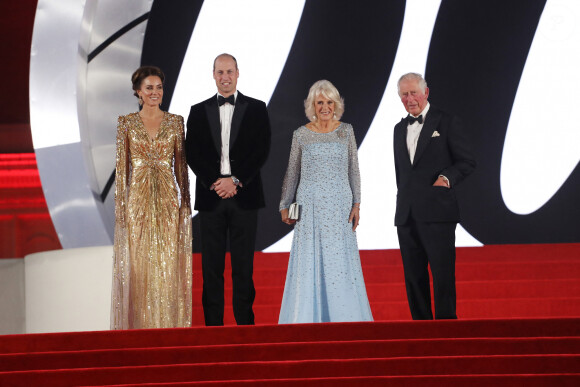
point(231, 99)
point(412, 119)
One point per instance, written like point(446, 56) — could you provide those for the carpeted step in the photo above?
point(399, 310)
point(440, 365)
point(482, 309)
point(560, 269)
point(139, 338)
point(482, 348)
point(522, 380)
point(466, 290)
point(490, 253)
point(368, 349)
point(496, 254)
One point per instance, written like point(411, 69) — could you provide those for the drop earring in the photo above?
point(140, 101)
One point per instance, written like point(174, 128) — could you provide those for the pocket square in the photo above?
point(435, 134)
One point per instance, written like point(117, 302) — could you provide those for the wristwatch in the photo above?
point(235, 180)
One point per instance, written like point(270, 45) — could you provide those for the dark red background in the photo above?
point(25, 224)
point(16, 24)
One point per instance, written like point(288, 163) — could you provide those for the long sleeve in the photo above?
point(121, 266)
point(462, 156)
point(353, 169)
point(292, 176)
point(184, 230)
point(246, 165)
point(180, 166)
point(122, 172)
point(201, 152)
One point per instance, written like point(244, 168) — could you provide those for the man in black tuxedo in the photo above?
point(432, 156)
point(228, 140)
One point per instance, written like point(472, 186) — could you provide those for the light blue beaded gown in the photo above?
point(324, 282)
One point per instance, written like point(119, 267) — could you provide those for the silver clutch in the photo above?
point(294, 211)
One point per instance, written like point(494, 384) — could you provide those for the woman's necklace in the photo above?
point(328, 129)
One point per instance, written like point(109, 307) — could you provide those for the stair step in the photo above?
point(399, 310)
point(230, 335)
point(466, 290)
point(368, 349)
point(527, 380)
point(428, 365)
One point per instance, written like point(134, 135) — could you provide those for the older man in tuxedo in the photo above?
point(432, 156)
point(228, 140)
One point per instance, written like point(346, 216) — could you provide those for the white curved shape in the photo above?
point(543, 136)
point(54, 83)
point(282, 246)
point(261, 55)
point(376, 159)
point(379, 189)
point(63, 34)
point(53, 79)
point(376, 230)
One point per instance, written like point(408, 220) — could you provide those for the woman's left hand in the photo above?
point(285, 218)
point(354, 217)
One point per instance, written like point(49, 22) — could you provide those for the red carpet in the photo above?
point(519, 326)
point(25, 224)
point(492, 282)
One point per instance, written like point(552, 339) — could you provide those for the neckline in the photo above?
point(158, 129)
point(332, 131)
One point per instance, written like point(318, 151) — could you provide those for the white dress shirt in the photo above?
point(413, 132)
point(226, 114)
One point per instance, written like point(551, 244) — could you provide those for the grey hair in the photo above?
point(327, 90)
point(412, 77)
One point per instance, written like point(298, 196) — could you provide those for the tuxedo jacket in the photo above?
point(442, 149)
point(249, 147)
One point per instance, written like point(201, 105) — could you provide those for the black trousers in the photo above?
point(215, 225)
point(433, 244)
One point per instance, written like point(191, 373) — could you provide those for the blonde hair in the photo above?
point(327, 90)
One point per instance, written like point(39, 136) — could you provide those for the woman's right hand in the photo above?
point(285, 219)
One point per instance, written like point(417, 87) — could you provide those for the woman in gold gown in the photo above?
point(152, 251)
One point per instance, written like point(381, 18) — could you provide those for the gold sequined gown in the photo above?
point(152, 250)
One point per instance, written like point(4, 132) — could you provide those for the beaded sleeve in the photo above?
point(120, 292)
point(180, 166)
point(184, 230)
point(292, 176)
point(353, 169)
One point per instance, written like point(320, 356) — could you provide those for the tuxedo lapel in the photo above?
point(239, 110)
point(431, 123)
point(213, 117)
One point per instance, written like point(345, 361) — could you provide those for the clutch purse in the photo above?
point(294, 211)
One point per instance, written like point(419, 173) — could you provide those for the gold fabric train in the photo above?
point(152, 251)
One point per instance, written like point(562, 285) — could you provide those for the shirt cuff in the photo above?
point(446, 180)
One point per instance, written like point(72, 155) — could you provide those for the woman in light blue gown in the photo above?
point(324, 282)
